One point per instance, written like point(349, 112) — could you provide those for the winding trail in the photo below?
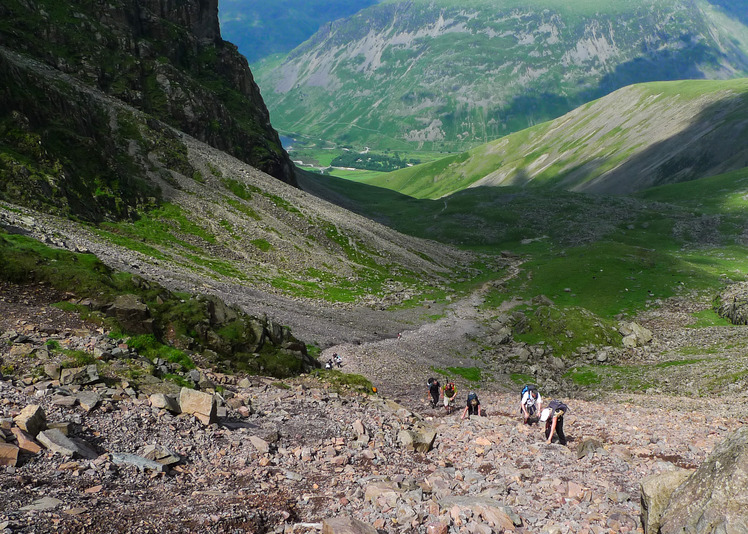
point(400, 367)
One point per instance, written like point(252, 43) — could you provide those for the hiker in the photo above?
point(338, 359)
point(531, 404)
point(449, 392)
point(473, 406)
point(434, 391)
point(553, 417)
point(328, 365)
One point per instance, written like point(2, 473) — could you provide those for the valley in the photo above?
point(174, 274)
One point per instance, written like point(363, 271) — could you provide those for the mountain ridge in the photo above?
point(407, 75)
point(638, 137)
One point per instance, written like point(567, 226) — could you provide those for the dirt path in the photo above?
point(400, 367)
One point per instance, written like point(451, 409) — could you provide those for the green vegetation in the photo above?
point(147, 345)
point(709, 317)
point(76, 358)
point(178, 318)
point(344, 381)
point(372, 162)
point(486, 72)
point(472, 374)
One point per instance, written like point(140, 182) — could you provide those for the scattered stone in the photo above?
point(40, 505)
point(88, 400)
point(164, 402)
point(418, 439)
point(346, 525)
point(55, 441)
point(125, 458)
point(161, 454)
point(25, 441)
point(8, 454)
point(201, 405)
point(589, 447)
point(32, 419)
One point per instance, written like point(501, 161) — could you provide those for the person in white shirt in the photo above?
point(531, 404)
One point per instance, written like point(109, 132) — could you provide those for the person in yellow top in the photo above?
point(450, 392)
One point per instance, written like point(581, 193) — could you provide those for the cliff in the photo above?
point(164, 57)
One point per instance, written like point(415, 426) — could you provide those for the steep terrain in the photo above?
point(260, 29)
point(291, 456)
point(166, 60)
point(447, 76)
point(633, 139)
point(193, 217)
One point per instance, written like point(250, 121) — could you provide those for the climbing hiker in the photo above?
point(449, 392)
point(338, 359)
point(553, 417)
point(530, 404)
point(473, 406)
point(434, 391)
point(328, 365)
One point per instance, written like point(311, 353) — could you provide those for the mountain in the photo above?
point(261, 29)
point(633, 139)
point(166, 60)
point(443, 75)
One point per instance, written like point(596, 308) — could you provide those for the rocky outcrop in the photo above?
point(713, 500)
point(634, 335)
point(163, 57)
point(733, 303)
point(656, 491)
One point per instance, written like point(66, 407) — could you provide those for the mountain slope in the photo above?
point(167, 60)
point(638, 137)
point(82, 169)
point(443, 75)
point(260, 28)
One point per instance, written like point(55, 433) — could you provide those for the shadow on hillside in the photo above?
point(653, 65)
point(714, 142)
point(735, 8)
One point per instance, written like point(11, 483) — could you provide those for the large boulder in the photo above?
point(419, 439)
point(32, 419)
point(634, 335)
point(201, 405)
point(734, 303)
point(132, 313)
point(655, 496)
point(714, 499)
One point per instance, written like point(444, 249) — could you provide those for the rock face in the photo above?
point(713, 500)
point(132, 313)
point(164, 58)
point(656, 491)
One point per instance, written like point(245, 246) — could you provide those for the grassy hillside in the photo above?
point(636, 138)
point(449, 76)
point(596, 257)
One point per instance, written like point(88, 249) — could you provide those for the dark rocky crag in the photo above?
point(163, 57)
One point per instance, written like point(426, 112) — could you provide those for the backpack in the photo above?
point(528, 387)
point(557, 405)
point(473, 399)
point(449, 389)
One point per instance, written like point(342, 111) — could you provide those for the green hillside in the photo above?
point(448, 76)
point(633, 139)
